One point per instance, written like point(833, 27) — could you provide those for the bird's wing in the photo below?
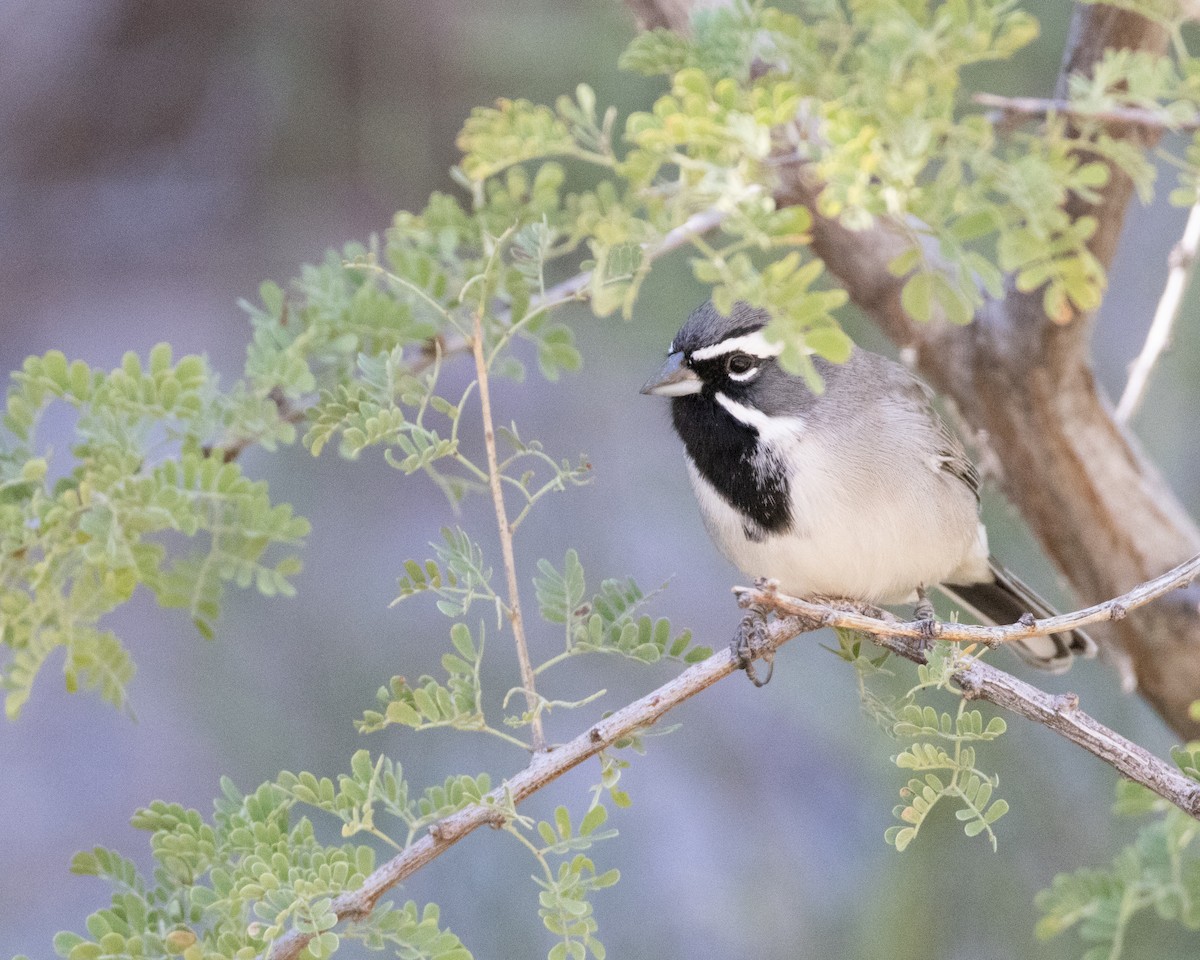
point(952, 456)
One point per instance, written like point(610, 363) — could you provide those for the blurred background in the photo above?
point(158, 160)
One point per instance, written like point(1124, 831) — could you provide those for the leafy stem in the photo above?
point(532, 848)
point(505, 530)
point(544, 304)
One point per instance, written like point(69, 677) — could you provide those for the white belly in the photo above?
point(864, 538)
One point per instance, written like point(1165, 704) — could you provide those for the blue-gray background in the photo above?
point(159, 160)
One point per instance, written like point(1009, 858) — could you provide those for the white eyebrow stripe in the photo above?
point(769, 428)
point(754, 344)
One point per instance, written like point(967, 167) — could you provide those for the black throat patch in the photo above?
point(727, 453)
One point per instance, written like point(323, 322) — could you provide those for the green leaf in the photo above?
point(595, 817)
point(460, 636)
point(900, 837)
point(917, 297)
point(559, 595)
point(832, 343)
point(1187, 759)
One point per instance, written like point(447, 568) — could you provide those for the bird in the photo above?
point(857, 491)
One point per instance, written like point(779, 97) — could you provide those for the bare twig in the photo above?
point(977, 680)
point(1182, 262)
point(982, 681)
point(1040, 107)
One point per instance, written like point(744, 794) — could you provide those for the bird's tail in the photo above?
point(1005, 600)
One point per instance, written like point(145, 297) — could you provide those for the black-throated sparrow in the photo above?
point(858, 492)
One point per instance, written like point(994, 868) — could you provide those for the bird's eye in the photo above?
point(739, 364)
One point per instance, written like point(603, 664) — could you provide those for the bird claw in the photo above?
point(749, 639)
point(926, 618)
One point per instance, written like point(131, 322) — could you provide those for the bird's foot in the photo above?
point(927, 620)
point(749, 640)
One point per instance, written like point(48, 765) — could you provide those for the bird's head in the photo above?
point(716, 354)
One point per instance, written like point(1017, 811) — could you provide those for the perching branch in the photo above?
point(982, 681)
point(976, 680)
point(1183, 262)
point(992, 636)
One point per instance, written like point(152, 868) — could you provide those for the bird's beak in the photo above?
point(675, 379)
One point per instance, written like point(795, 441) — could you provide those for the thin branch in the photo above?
point(1040, 107)
point(544, 768)
point(975, 679)
point(506, 544)
point(831, 614)
point(982, 681)
point(1182, 262)
point(572, 287)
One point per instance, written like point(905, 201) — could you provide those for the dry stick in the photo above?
point(1182, 262)
point(1040, 107)
point(982, 681)
point(976, 680)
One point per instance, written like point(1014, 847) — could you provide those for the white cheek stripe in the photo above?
point(769, 429)
point(754, 344)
